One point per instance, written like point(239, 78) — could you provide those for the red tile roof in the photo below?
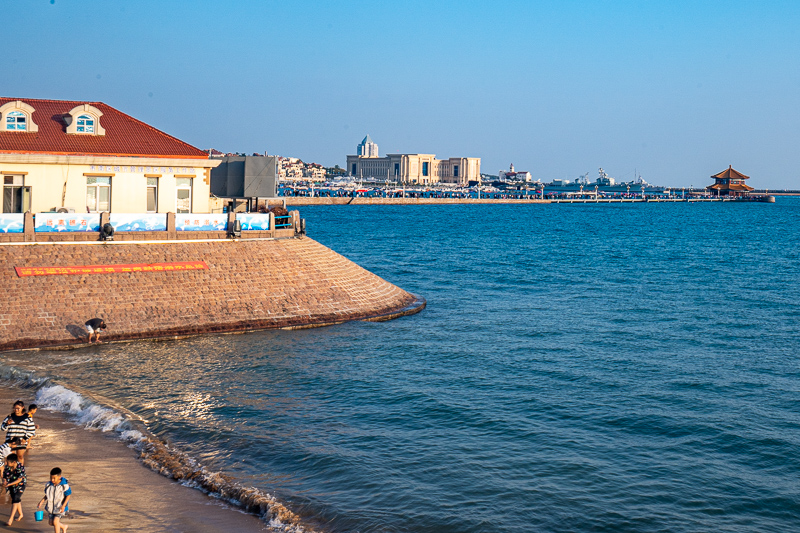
point(730, 187)
point(732, 174)
point(125, 136)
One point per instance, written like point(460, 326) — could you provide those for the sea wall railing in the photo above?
point(51, 226)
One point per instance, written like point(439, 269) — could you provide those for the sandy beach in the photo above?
point(112, 489)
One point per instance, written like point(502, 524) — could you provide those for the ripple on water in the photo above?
point(587, 368)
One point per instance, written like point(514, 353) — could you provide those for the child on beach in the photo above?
point(6, 449)
point(18, 424)
point(56, 499)
point(14, 482)
point(32, 408)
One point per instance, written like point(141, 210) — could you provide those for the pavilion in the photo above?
point(730, 182)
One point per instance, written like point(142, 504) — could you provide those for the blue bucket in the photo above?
point(39, 516)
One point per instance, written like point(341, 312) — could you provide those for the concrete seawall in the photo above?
point(249, 284)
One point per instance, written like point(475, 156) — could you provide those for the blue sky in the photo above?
point(673, 90)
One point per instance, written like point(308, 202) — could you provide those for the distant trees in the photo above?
point(334, 171)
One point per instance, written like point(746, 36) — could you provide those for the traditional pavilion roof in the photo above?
point(730, 187)
point(731, 173)
point(124, 135)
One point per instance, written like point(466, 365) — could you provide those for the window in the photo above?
point(84, 119)
point(424, 168)
point(397, 169)
point(354, 170)
point(17, 116)
point(98, 194)
point(152, 195)
point(455, 171)
point(16, 120)
point(16, 197)
point(85, 124)
point(184, 192)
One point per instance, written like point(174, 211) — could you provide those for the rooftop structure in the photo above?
point(514, 175)
point(367, 148)
point(730, 182)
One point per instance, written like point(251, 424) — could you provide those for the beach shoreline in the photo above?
point(112, 488)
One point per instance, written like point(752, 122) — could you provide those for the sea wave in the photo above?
point(154, 452)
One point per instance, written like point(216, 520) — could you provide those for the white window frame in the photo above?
point(16, 109)
point(155, 187)
point(97, 188)
point(86, 123)
point(13, 121)
point(76, 122)
point(180, 185)
point(15, 181)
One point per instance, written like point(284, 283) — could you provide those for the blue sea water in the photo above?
point(589, 367)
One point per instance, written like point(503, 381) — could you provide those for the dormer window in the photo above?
point(16, 120)
point(85, 120)
point(85, 124)
point(17, 116)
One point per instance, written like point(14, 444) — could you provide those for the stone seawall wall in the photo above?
point(250, 284)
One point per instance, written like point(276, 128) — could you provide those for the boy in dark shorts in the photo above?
point(93, 327)
point(56, 500)
point(14, 482)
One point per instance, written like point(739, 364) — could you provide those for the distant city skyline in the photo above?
point(672, 91)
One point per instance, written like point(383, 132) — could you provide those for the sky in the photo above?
point(674, 91)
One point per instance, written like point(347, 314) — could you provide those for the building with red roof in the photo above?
point(90, 157)
point(730, 182)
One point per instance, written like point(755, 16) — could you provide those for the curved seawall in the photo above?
point(244, 284)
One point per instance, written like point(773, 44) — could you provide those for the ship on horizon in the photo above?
point(603, 183)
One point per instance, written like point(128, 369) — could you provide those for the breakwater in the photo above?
point(363, 200)
point(147, 289)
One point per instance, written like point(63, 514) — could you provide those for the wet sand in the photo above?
point(112, 490)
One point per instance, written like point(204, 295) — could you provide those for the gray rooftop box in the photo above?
point(244, 177)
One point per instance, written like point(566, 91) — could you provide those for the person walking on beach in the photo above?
point(56, 499)
point(14, 482)
point(93, 327)
point(19, 425)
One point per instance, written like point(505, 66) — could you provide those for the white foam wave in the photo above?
point(85, 412)
point(157, 454)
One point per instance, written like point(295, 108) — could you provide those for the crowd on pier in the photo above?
point(486, 193)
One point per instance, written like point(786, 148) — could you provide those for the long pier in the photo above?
point(360, 200)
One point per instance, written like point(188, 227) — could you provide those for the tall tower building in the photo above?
point(367, 148)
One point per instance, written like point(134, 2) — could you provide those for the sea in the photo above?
point(579, 367)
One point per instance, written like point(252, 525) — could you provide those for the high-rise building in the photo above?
point(367, 148)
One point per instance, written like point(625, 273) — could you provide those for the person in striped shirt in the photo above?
point(19, 425)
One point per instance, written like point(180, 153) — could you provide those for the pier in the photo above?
point(365, 200)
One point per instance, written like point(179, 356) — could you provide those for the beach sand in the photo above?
point(112, 489)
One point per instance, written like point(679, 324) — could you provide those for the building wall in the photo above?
point(61, 181)
point(410, 168)
point(248, 285)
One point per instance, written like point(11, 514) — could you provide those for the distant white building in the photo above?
point(420, 169)
point(367, 148)
point(514, 175)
